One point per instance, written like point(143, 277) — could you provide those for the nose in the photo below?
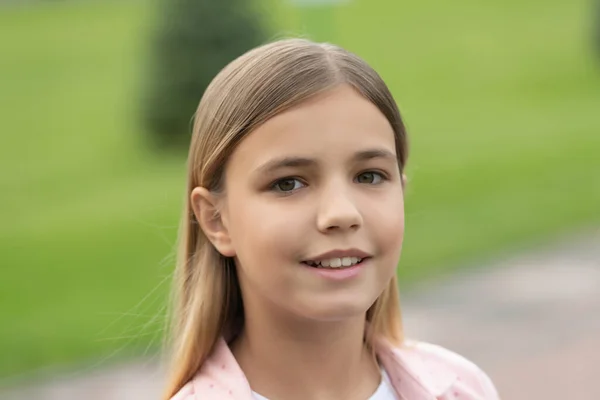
point(338, 211)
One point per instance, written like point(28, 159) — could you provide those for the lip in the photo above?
point(340, 254)
point(340, 274)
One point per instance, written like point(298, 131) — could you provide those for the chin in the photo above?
point(337, 310)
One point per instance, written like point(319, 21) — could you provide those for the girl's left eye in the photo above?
point(370, 178)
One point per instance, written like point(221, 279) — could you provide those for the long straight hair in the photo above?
point(250, 90)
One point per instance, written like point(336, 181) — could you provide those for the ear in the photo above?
point(207, 211)
point(404, 180)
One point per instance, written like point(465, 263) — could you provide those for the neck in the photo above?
point(300, 359)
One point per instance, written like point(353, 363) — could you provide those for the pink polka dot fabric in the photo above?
point(417, 371)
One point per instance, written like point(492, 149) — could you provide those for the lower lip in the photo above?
point(340, 274)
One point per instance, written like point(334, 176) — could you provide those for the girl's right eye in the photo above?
point(287, 185)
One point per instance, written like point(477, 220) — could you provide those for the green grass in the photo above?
point(501, 101)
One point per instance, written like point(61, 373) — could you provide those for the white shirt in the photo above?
point(383, 392)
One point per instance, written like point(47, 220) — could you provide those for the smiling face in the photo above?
point(317, 184)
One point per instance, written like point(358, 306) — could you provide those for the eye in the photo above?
point(287, 185)
point(370, 178)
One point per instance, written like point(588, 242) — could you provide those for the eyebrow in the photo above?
point(298, 162)
point(374, 153)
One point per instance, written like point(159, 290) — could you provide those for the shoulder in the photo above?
point(219, 377)
point(185, 393)
point(467, 373)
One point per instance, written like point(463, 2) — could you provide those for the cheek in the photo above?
point(391, 236)
point(266, 240)
point(387, 223)
point(259, 228)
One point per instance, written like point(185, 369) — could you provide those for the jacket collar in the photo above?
point(412, 379)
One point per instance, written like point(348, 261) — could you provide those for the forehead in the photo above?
point(331, 126)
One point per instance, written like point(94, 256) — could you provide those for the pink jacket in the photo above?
point(418, 371)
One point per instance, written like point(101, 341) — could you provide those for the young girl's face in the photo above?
point(317, 183)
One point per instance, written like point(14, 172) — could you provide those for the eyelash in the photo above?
point(273, 186)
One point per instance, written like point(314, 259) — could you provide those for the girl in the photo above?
point(293, 228)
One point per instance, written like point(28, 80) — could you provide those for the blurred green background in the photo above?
point(501, 100)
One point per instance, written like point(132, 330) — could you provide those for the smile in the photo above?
point(335, 262)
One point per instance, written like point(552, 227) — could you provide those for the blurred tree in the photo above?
point(193, 40)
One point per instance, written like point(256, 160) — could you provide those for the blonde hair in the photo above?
point(250, 90)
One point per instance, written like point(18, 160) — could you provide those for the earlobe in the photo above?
point(206, 209)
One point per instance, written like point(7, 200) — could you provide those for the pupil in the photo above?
point(286, 185)
point(366, 177)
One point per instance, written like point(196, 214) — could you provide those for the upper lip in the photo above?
point(340, 254)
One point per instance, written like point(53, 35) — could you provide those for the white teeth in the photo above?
point(335, 262)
